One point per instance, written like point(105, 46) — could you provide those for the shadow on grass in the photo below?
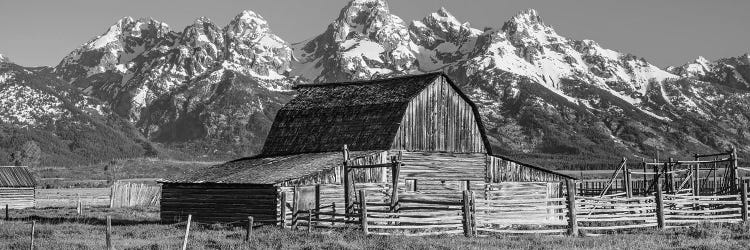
point(91, 216)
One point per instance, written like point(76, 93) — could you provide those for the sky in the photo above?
point(665, 32)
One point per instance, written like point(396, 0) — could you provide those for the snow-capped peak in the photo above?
point(702, 61)
point(444, 16)
point(127, 26)
point(527, 28)
point(529, 16)
point(202, 20)
point(697, 68)
point(247, 24)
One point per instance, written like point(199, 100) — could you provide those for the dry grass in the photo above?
point(68, 197)
point(95, 175)
point(139, 229)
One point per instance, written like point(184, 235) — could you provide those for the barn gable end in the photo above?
point(440, 119)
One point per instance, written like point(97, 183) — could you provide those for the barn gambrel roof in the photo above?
point(364, 115)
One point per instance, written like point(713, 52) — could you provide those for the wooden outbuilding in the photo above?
point(423, 121)
point(17, 187)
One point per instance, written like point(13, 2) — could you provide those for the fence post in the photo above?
point(33, 225)
point(363, 210)
point(572, 221)
point(317, 202)
point(347, 181)
point(78, 205)
point(249, 228)
point(395, 172)
point(187, 232)
point(333, 213)
point(111, 196)
point(295, 208)
point(735, 170)
point(743, 198)
point(628, 183)
point(282, 219)
point(473, 212)
point(659, 206)
point(109, 233)
point(466, 214)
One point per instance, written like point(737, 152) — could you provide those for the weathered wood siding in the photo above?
point(335, 174)
point(441, 174)
point(212, 203)
point(501, 170)
point(437, 166)
point(17, 197)
point(438, 119)
point(333, 194)
point(524, 203)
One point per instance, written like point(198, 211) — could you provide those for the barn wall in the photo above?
point(333, 194)
point(443, 166)
point(501, 170)
point(212, 203)
point(439, 120)
point(442, 174)
point(531, 198)
point(335, 174)
point(17, 197)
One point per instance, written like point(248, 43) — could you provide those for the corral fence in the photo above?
point(129, 194)
point(489, 214)
point(529, 210)
point(596, 187)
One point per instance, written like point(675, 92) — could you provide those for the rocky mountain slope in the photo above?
point(544, 97)
point(733, 72)
point(69, 126)
point(207, 89)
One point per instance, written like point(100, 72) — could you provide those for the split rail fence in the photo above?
point(482, 216)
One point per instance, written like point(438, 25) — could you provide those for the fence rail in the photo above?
point(534, 214)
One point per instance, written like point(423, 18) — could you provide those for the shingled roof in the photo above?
point(268, 170)
point(365, 115)
point(16, 177)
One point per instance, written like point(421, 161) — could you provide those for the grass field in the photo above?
point(68, 197)
point(97, 175)
point(139, 229)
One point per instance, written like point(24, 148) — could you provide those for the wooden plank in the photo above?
point(510, 231)
point(571, 205)
point(620, 227)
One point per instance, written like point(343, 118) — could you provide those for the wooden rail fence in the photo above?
point(416, 215)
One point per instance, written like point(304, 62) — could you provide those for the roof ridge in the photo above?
point(366, 82)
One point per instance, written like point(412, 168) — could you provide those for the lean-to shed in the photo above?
point(424, 120)
point(17, 187)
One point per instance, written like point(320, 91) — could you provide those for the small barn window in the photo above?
point(411, 185)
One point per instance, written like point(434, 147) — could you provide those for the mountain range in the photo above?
point(142, 88)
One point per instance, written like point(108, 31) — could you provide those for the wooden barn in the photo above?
point(17, 187)
point(423, 121)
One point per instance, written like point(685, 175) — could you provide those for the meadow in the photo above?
point(62, 228)
point(99, 175)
